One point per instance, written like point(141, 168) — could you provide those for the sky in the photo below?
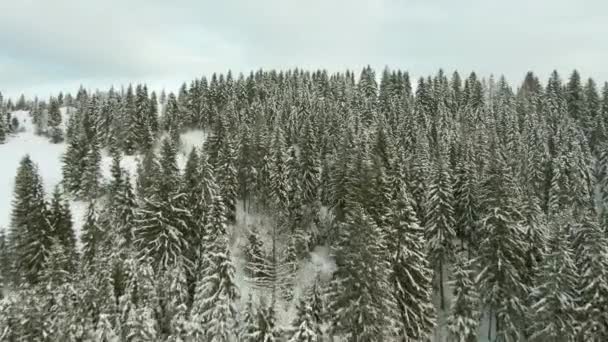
point(51, 46)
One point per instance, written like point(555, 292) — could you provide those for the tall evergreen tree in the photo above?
point(93, 236)
point(553, 306)
point(440, 223)
point(30, 234)
point(463, 322)
point(60, 219)
point(161, 223)
point(359, 297)
point(501, 252)
point(590, 251)
point(54, 121)
point(411, 275)
point(214, 307)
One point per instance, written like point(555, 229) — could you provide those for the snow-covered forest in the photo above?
point(308, 206)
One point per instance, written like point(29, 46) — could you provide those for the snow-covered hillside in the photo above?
point(48, 157)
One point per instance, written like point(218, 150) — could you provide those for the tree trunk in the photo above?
point(441, 294)
point(490, 325)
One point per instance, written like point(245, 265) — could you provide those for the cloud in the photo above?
point(63, 43)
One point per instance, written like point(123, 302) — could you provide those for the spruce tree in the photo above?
point(590, 251)
point(162, 219)
point(30, 234)
point(92, 236)
point(463, 322)
point(54, 120)
point(214, 308)
point(553, 309)
point(227, 178)
point(92, 171)
point(440, 232)
point(359, 295)
point(60, 219)
point(248, 326)
point(411, 274)
point(501, 252)
point(306, 328)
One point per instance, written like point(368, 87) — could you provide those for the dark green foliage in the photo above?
point(359, 297)
point(30, 234)
point(411, 274)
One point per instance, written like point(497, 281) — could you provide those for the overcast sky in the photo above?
point(47, 46)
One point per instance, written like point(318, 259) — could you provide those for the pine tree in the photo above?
point(255, 267)
point(214, 307)
point(248, 325)
point(309, 166)
point(172, 119)
point(359, 295)
point(124, 211)
point(440, 222)
point(411, 275)
point(92, 236)
point(553, 308)
point(278, 173)
point(198, 205)
point(466, 202)
point(60, 219)
point(227, 178)
point(147, 176)
point(92, 171)
point(591, 248)
point(30, 236)
point(501, 252)
point(5, 263)
point(128, 112)
point(3, 125)
point(74, 162)
point(575, 96)
point(306, 328)
point(266, 329)
point(162, 219)
point(116, 171)
point(54, 120)
point(463, 322)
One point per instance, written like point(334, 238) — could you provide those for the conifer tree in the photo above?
point(60, 219)
point(440, 222)
point(266, 329)
point(92, 236)
point(30, 236)
point(248, 326)
point(214, 307)
point(227, 178)
point(309, 166)
point(463, 322)
point(54, 120)
point(358, 297)
point(590, 250)
point(501, 252)
point(306, 328)
point(128, 112)
point(411, 275)
point(255, 256)
point(92, 171)
point(74, 162)
point(161, 223)
point(553, 308)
